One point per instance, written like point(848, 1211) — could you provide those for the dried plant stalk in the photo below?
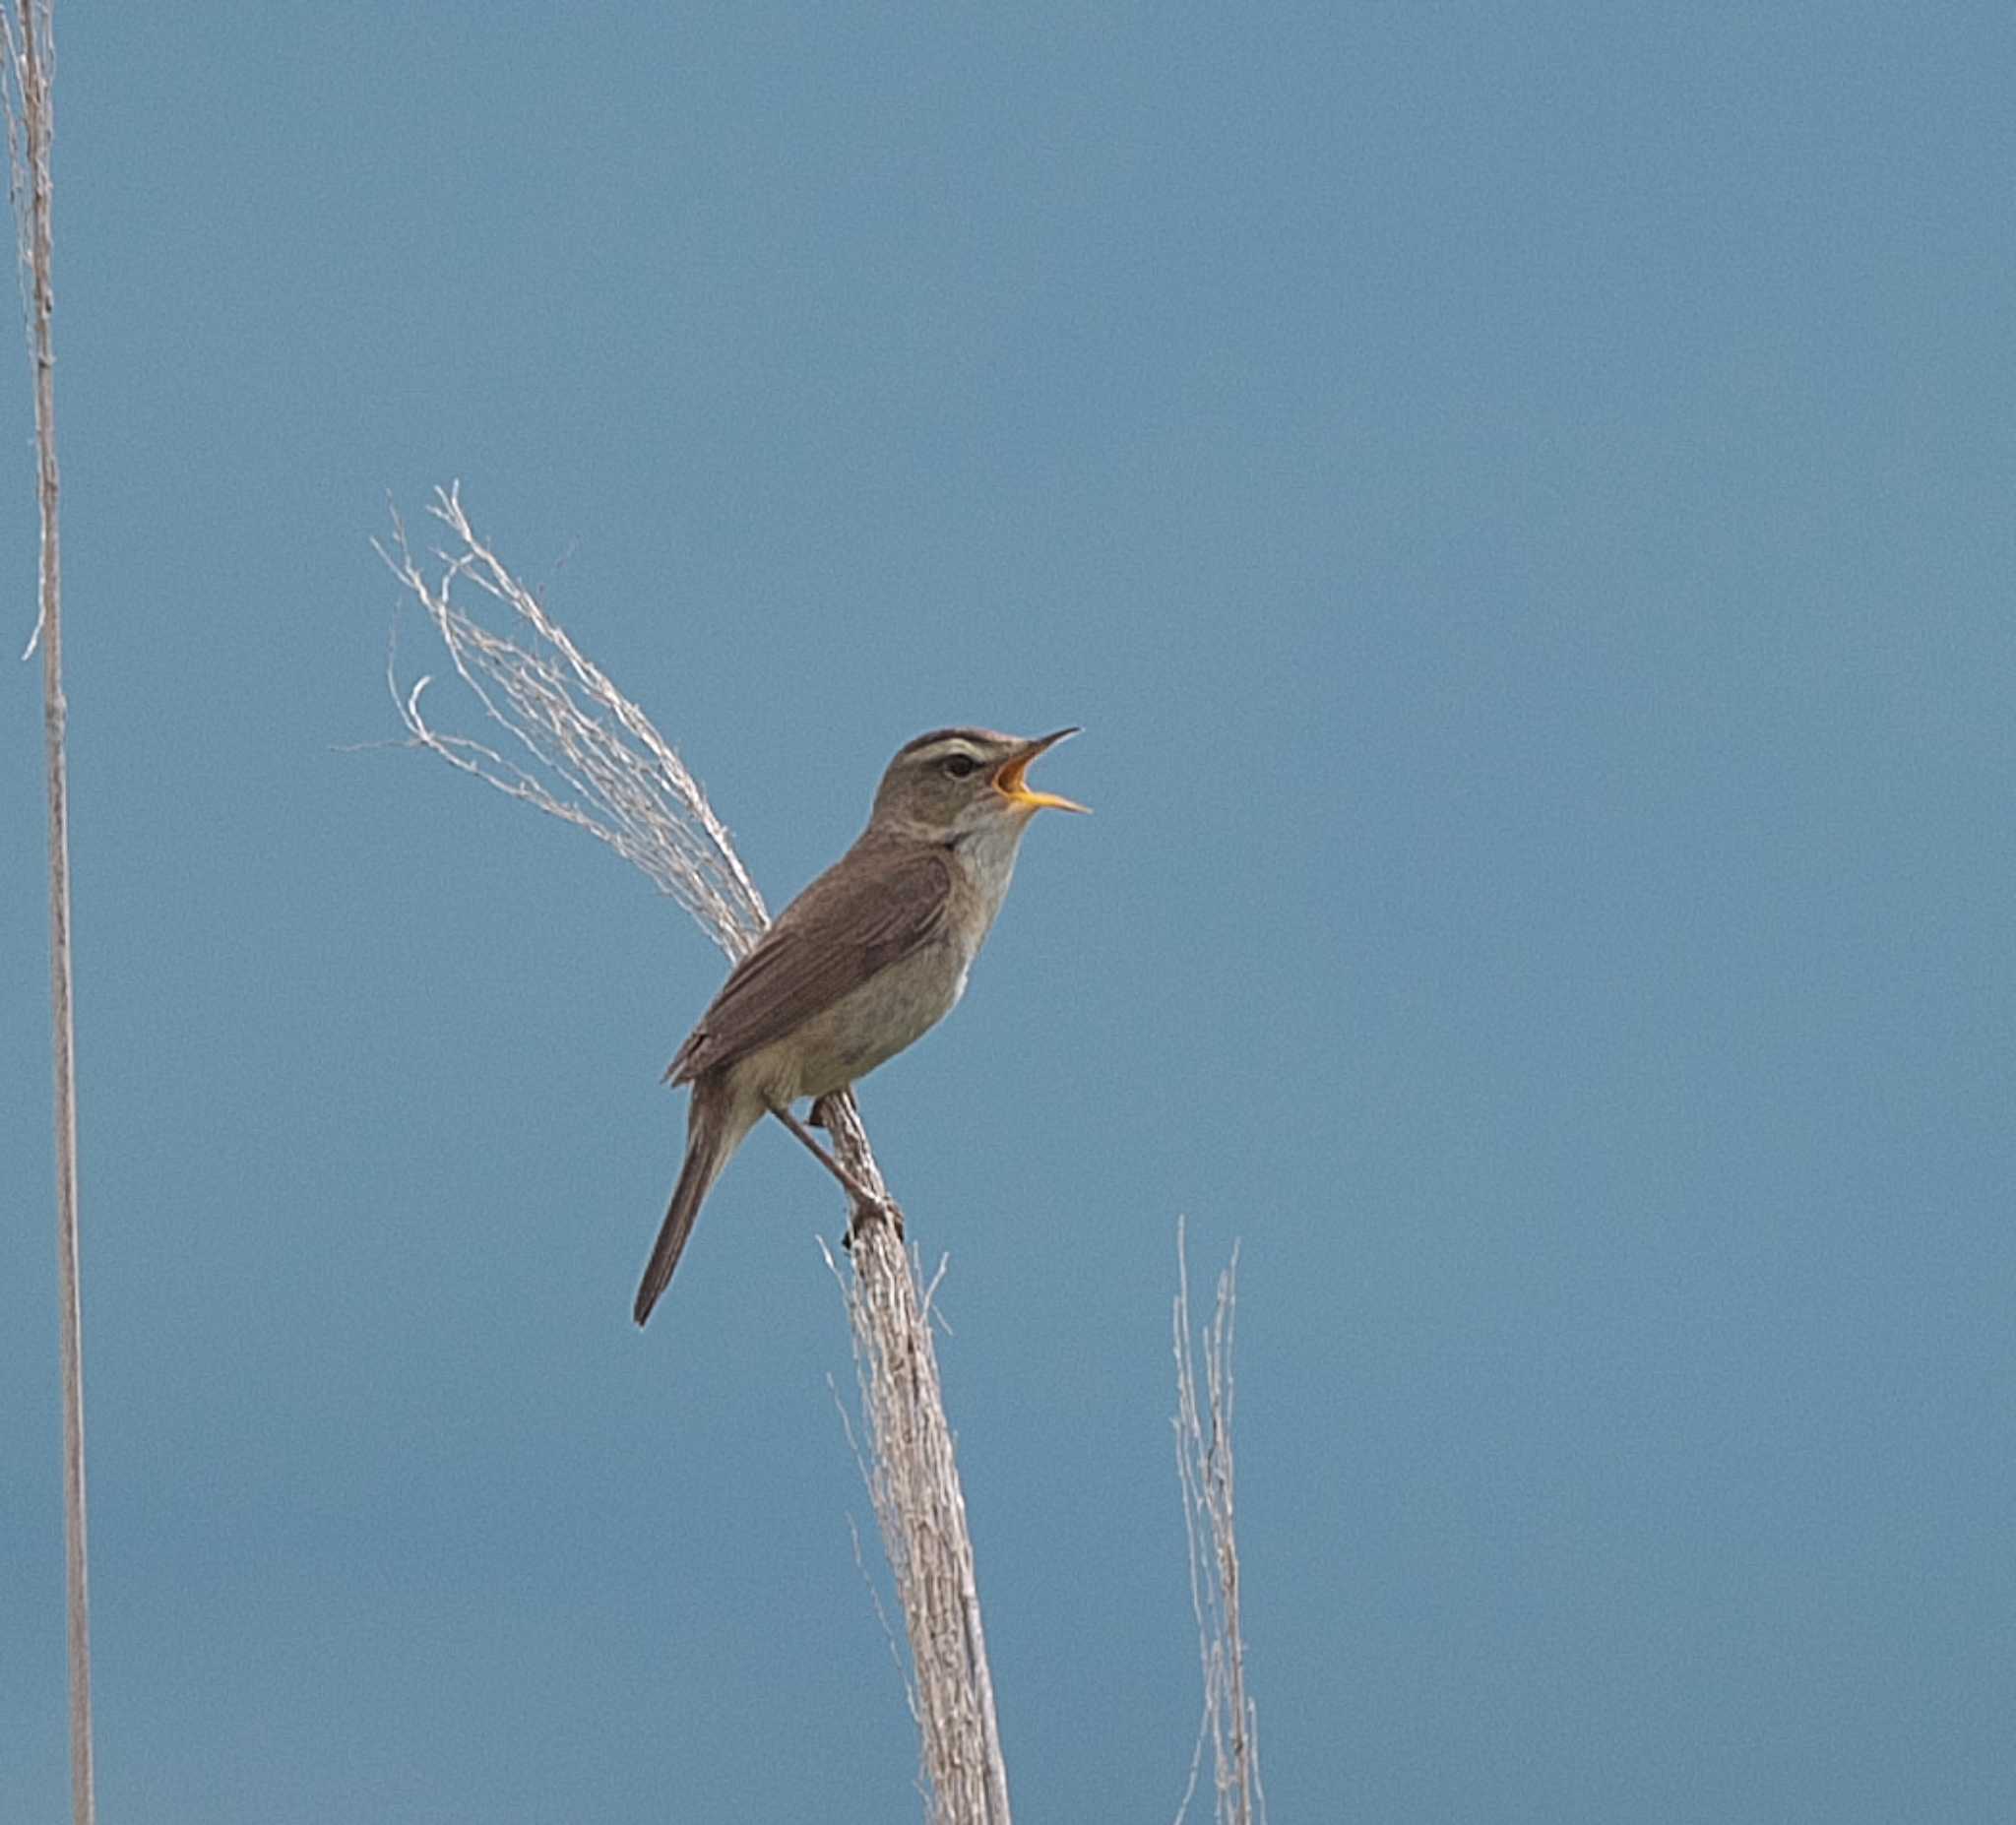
point(1204, 1467)
point(30, 129)
point(595, 758)
point(914, 1480)
point(573, 747)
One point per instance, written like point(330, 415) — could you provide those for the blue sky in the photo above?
point(1520, 500)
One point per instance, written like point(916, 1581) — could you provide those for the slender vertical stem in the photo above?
point(32, 74)
point(1204, 1467)
point(921, 1505)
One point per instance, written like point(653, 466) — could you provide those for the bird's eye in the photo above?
point(959, 766)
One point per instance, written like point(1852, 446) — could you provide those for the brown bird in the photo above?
point(870, 957)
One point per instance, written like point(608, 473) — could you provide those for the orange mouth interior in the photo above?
point(1012, 782)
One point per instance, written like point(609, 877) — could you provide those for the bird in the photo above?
point(871, 956)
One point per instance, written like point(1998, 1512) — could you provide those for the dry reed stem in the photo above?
point(913, 1479)
point(1204, 1467)
point(587, 754)
point(596, 760)
point(30, 129)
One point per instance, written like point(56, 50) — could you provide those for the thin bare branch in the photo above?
point(31, 130)
point(1204, 1467)
point(571, 745)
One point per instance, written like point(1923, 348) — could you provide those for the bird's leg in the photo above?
point(864, 1198)
point(821, 1115)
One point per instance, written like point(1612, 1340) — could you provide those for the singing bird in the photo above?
point(870, 957)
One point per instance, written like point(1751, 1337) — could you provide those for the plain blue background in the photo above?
point(1521, 500)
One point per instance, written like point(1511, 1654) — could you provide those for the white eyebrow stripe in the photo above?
point(945, 747)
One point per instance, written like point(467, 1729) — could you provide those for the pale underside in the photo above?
point(861, 964)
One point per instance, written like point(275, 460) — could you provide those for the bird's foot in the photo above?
point(821, 1116)
point(865, 1211)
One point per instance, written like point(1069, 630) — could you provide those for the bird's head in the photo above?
point(955, 783)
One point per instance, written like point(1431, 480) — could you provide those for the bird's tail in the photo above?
point(714, 1130)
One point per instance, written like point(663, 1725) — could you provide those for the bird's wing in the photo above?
point(844, 928)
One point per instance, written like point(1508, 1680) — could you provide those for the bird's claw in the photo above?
point(864, 1211)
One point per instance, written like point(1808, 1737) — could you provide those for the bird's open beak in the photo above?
point(1010, 779)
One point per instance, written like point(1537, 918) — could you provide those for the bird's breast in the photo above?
point(868, 1026)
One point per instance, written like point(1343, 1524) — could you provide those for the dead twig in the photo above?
point(1204, 1467)
point(30, 129)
